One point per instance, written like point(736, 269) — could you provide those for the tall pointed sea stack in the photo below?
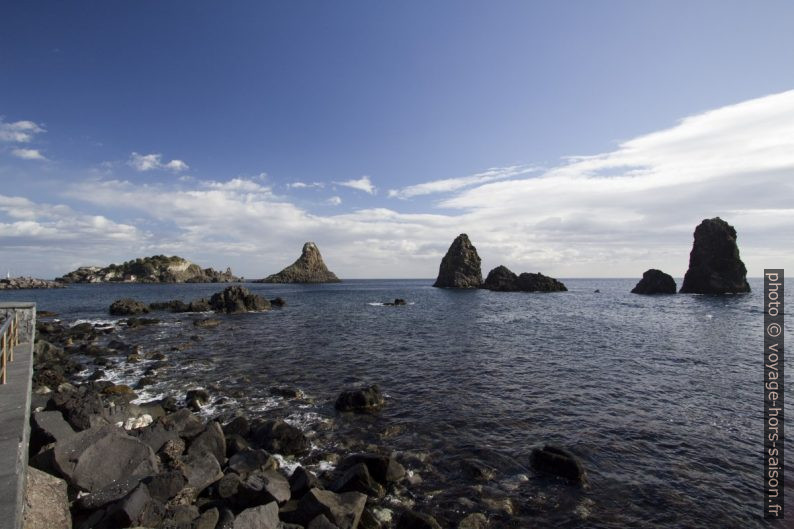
point(309, 268)
point(460, 268)
point(714, 263)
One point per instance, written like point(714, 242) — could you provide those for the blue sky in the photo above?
point(569, 138)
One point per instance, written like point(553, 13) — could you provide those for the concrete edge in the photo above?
point(22, 454)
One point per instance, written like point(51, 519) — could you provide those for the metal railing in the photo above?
point(10, 339)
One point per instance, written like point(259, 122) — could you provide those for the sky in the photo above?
point(576, 139)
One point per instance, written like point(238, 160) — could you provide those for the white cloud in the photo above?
point(149, 162)
point(334, 201)
point(19, 131)
point(305, 185)
point(453, 184)
point(28, 154)
point(611, 214)
point(362, 184)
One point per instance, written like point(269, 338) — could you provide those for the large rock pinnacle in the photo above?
point(460, 268)
point(714, 263)
point(309, 268)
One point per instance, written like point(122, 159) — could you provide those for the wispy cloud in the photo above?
point(448, 185)
point(614, 213)
point(28, 154)
point(150, 162)
point(362, 184)
point(19, 131)
point(305, 185)
point(334, 201)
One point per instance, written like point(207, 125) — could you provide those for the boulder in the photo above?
point(195, 399)
point(501, 279)
point(48, 427)
point(358, 479)
point(260, 488)
point(208, 519)
point(138, 508)
point(206, 323)
point(343, 510)
point(309, 268)
point(558, 462)
point(46, 502)
point(184, 423)
point(321, 522)
point(239, 425)
point(276, 436)
point(201, 470)
point(362, 400)
point(460, 267)
point(166, 485)
point(655, 282)
point(383, 469)
point(174, 305)
point(128, 307)
point(94, 458)
point(261, 517)
point(539, 283)
point(108, 494)
point(249, 460)
point(302, 481)
point(714, 263)
point(473, 521)
point(212, 441)
point(236, 299)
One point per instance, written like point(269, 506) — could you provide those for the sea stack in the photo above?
point(714, 263)
point(655, 282)
point(309, 268)
point(460, 267)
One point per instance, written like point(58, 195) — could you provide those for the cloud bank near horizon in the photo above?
point(611, 214)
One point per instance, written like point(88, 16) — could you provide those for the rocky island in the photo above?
point(309, 268)
point(154, 269)
point(714, 263)
point(460, 267)
point(655, 282)
point(502, 279)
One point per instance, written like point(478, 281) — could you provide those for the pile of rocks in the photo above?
point(15, 283)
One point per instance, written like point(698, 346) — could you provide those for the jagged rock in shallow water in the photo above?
point(539, 283)
point(501, 279)
point(16, 283)
point(309, 268)
point(361, 400)
point(714, 263)
point(127, 307)
point(558, 462)
point(655, 282)
point(237, 299)
point(460, 267)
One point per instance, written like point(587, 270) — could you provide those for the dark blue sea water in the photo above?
point(661, 397)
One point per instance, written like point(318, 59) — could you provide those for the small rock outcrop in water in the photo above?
point(16, 283)
point(309, 268)
point(154, 269)
point(558, 462)
point(238, 299)
point(714, 263)
point(655, 282)
point(501, 279)
point(127, 307)
point(460, 267)
point(362, 400)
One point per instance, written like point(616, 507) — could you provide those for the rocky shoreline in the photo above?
point(167, 464)
point(19, 283)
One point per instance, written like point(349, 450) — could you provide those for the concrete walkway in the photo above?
point(14, 435)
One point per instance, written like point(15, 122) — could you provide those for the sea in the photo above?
point(661, 397)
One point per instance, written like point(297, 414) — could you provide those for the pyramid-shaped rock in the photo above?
point(309, 268)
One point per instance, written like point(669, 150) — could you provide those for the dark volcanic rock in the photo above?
point(262, 517)
point(559, 462)
point(357, 478)
point(460, 267)
point(383, 469)
point(714, 263)
point(48, 427)
point(539, 283)
point(302, 481)
point(362, 400)
point(655, 282)
point(343, 510)
point(237, 299)
point(309, 268)
point(501, 279)
point(276, 436)
point(174, 305)
point(94, 458)
point(128, 307)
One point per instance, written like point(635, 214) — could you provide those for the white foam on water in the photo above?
point(96, 322)
point(288, 465)
point(376, 304)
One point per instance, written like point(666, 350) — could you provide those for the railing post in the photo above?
point(4, 359)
